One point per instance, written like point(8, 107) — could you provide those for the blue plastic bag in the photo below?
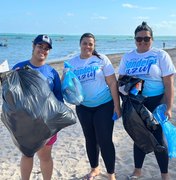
point(71, 87)
point(168, 128)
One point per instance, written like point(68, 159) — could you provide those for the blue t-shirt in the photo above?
point(50, 73)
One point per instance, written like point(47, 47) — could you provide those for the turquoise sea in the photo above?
point(18, 47)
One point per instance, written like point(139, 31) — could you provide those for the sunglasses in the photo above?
point(145, 39)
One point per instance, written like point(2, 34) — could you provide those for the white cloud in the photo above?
point(173, 15)
point(161, 27)
point(149, 8)
point(129, 6)
point(29, 13)
point(70, 14)
point(99, 17)
point(166, 24)
point(142, 18)
point(132, 6)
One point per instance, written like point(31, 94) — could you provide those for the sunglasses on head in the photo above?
point(145, 39)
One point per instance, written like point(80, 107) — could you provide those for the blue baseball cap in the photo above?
point(42, 38)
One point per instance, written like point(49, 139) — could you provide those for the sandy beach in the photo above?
point(69, 154)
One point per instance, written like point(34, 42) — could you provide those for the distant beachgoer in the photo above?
point(101, 100)
point(155, 67)
point(164, 45)
point(41, 48)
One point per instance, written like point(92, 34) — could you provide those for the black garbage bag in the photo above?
point(138, 121)
point(147, 117)
point(137, 130)
point(138, 101)
point(129, 82)
point(30, 110)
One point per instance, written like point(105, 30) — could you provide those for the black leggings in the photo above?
point(97, 125)
point(162, 157)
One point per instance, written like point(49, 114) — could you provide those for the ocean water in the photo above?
point(19, 46)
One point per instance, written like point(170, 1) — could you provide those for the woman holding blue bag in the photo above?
point(155, 67)
point(96, 75)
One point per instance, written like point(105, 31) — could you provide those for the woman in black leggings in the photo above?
point(156, 68)
point(162, 157)
point(101, 101)
point(97, 127)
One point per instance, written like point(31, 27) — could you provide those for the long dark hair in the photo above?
point(143, 27)
point(90, 35)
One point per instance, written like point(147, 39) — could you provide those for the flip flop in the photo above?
point(133, 177)
point(89, 177)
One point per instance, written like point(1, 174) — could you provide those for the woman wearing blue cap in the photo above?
point(41, 48)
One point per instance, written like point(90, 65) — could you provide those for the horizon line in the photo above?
point(57, 34)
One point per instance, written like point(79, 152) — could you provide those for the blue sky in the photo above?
point(102, 17)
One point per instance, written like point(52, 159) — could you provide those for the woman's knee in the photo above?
point(44, 153)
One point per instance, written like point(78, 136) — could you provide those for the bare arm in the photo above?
point(112, 83)
point(169, 93)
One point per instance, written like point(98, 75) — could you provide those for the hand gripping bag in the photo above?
point(30, 110)
point(71, 86)
point(137, 130)
point(168, 128)
point(138, 121)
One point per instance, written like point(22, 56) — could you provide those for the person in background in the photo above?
point(101, 100)
point(155, 67)
point(41, 48)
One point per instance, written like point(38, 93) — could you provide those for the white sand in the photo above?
point(70, 159)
